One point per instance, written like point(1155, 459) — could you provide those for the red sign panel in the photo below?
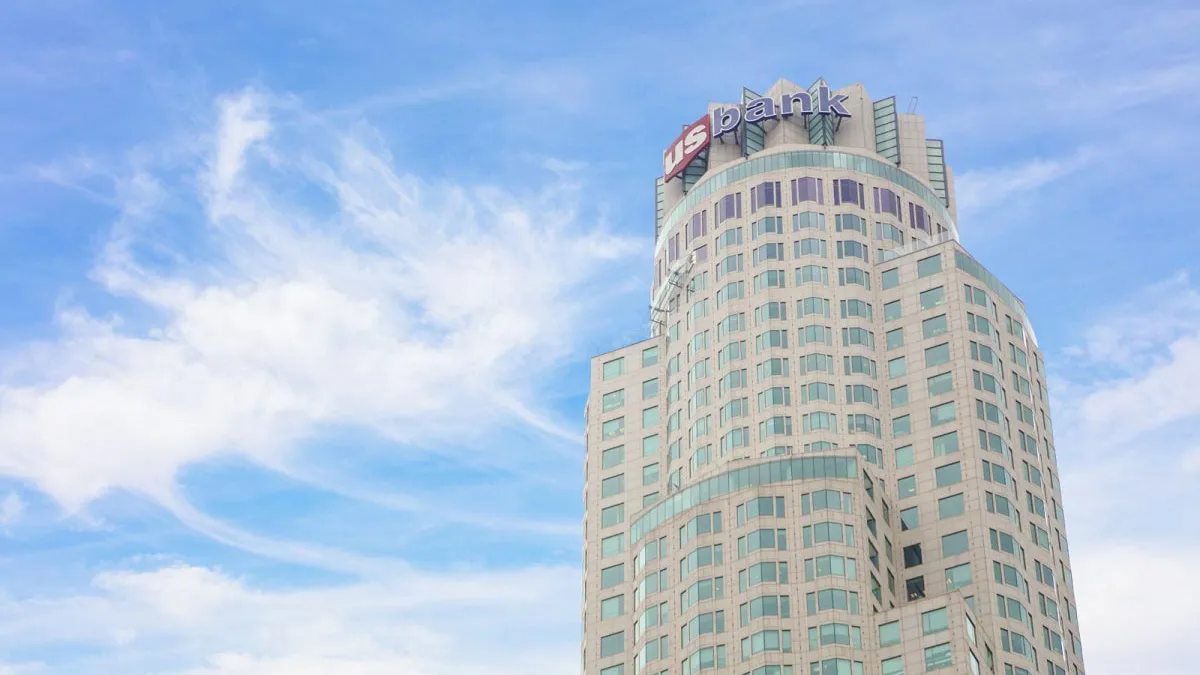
point(694, 139)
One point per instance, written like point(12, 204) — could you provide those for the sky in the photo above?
point(299, 297)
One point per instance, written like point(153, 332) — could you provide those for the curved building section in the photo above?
point(833, 455)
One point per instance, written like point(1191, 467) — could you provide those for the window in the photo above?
point(897, 367)
point(614, 368)
point(832, 598)
point(611, 607)
point(912, 555)
point(812, 274)
point(612, 457)
point(933, 297)
point(907, 486)
point(941, 414)
point(891, 311)
point(934, 326)
point(937, 657)
point(928, 266)
point(937, 355)
point(934, 621)
point(618, 669)
point(904, 457)
point(893, 666)
point(612, 428)
point(612, 400)
point(650, 388)
point(649, 356)
point(612, 576)
point(612, 515)
point(900, 395)
point(895, 338)
point(650, 446)
point(650, 474)
point(613, 485)
point(807, 190)
point(948, 474)
point(767, 605)
point(909, 519)
point(915, 588)
point(889, 634)
point(610, 546)
point(951, 506)
point(953, 544)
point(808, 220)
point(761, 573)
point(891, 278)
point(940, 384)
point(901, 426)
point(958, 576)
point(612, 645)
point(650, 417)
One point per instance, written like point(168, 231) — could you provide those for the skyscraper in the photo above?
point(834, 455)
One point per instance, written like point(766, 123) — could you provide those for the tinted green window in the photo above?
point(611, 576)
point(614, 485)
point(904, 457)
point(612, 645)
point(907, 486)
point(930, 265)
point(612, 457)
point(649, 356)
point(889, 634)
point(934, 326)
point(933, 297)
point(951, 506)
point(612, 607)
point(953, 544)
point(940, 384)
point(900, 395)
point(945, 444)
point(937, 355)
point(891, 311)
point(650, 388)
point(614, 368)
point(612, 515)
point(897, 367)
point(941, 414)
point(934, 621)
point(891, 278)
point(938, 657)
point(948, 474)
point(895, 338)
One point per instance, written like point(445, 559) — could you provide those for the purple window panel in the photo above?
point(698, 227)
point(702, 253)
point(846, 191)
point(729, 206)
point(764, 194)
point(887, 201)
point(807, 190)
point(673, 249)
point(917, 217)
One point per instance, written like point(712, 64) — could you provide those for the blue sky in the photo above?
point(298, 301)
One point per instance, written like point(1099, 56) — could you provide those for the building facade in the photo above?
point(834, 455)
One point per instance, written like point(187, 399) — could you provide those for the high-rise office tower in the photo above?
point(833, 456)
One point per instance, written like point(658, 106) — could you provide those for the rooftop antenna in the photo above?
point(912, 105)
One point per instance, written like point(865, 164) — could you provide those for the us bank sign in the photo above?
point(700, 134)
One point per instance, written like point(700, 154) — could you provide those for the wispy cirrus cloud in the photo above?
point(420, 311)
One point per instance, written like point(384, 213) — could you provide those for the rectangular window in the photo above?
point(613, 485)
point(889, 634)
point(958, 576)
point(933, 297)
point(891, 278)
point(938, 657)
point(612, 607)
point(934, 621)
point(954, 544)
point(614, 368)
point(934, 326)
point(949, 507)
point(612, 576)
point(891, 311)
point(928, 266)
point(941, 414)
point(897, 367)
point(948, 474)
point(937, 355)
point(612, 515)
point(895, 338)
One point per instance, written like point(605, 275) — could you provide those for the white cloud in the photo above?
point(1135, 609)
point(306, 285)
point(11, 509)
point(185, 620)
point(978, 189)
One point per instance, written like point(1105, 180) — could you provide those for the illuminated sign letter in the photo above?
point(694, 139)
point(831, 106)
point(726, 120)
point(801, 97)
point(760, 109)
